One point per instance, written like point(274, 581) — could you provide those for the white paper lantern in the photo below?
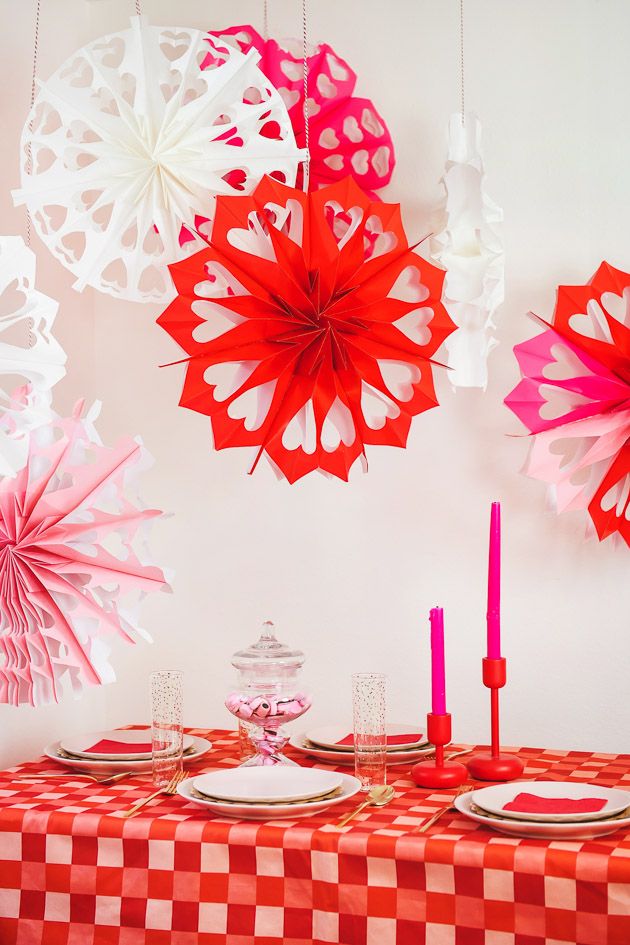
point(133, 137)
point(470, 249)
point(29, 355)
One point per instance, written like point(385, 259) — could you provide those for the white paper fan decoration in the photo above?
point(133, 137)
point(470, 249)
point(29, 355)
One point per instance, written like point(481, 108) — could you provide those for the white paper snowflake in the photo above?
point(133, 137)
point(471, 251)
point(29, 355)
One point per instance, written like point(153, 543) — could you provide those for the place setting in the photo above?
point(547, 810)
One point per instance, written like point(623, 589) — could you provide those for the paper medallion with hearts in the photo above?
point(130, 141)
point(347, 133)
point(74, 562)
point(309, 325)
point(574, 399)
point(31, 359)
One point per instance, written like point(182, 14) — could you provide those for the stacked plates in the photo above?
point(110, 752)
point(548, 809)
point(276, 792)
point(332, 743)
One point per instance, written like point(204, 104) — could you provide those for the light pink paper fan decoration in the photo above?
point(347, 134)
point(73, 560)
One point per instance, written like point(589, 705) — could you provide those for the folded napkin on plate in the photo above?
point(391, 739)
point(533, 804)
point(108, 746)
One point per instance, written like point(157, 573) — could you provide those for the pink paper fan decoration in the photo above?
point(574, 399)
point(347, 134)
point(73, 560)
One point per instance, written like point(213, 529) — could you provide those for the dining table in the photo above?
point(73, 872)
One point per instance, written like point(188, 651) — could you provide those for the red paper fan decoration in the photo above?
point(309, 324)
point(575, 399)
point(347, 134)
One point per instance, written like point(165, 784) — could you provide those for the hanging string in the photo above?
point(138, 10)
point(307, 162)
point(29, 153)
point(265, 20)
point(461, 58)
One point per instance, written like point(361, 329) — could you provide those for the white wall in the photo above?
point(349, 571)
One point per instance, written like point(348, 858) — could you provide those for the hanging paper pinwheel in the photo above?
point(575, 399)
point(28, 352)
point(132, 138)
point(347, 134)
point(309, 324)
point(471, 251)
point(70, 576)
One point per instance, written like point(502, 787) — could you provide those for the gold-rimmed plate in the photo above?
point(584, 830)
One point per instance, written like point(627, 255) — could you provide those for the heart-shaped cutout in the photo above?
point(592, 323)
point(409, 287)
point(292, 70)
point(337, 68)
point(351, 129)
point(325, 87)
point(338, 427)
point(415, 325)
point(399, 378)
point(371, 124)
point(301, 431)
point(111, 53)
point(328, 139)
point(252, 406)
point(359, 161)
point(376, 408)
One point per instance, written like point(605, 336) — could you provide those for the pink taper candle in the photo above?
point(493, 616)
point(438, 682)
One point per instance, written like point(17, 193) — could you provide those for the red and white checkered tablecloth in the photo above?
point(70, 874)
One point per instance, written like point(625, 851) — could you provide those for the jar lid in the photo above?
point(267, 651)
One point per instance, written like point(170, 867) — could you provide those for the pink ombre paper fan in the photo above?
point(574, 398)
point(74, 564)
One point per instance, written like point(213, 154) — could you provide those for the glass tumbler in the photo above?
point(370, 738)
point(168, 732)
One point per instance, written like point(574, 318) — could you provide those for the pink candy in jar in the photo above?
point(266, 710)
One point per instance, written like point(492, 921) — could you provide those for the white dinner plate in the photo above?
point(493, 800)
point(268, 784)
point(348, 788)
point(78, 745)
point(302, 744)
point(585, 830)
point(328, 736)
point(200, 747)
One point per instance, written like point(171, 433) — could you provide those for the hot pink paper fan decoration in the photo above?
point(575, 400)
point(347, 134)
point(73, 560)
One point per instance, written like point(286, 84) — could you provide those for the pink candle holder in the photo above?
point(439, 773)
point(494, 765)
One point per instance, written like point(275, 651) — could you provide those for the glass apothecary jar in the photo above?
point(267, 694)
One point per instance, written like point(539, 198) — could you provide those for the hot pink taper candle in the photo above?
point(493, 616)
point(438, 681)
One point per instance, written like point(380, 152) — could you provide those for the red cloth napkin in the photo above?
point(107, 746)
point(391, 739)
point(533, 804)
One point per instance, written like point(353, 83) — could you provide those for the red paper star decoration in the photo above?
point(309, 324)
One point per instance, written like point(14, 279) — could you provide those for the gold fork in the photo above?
point(435, 817)
point(171, 788)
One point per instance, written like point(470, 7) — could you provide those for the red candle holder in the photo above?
point(439, 774)
point(493, 765)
